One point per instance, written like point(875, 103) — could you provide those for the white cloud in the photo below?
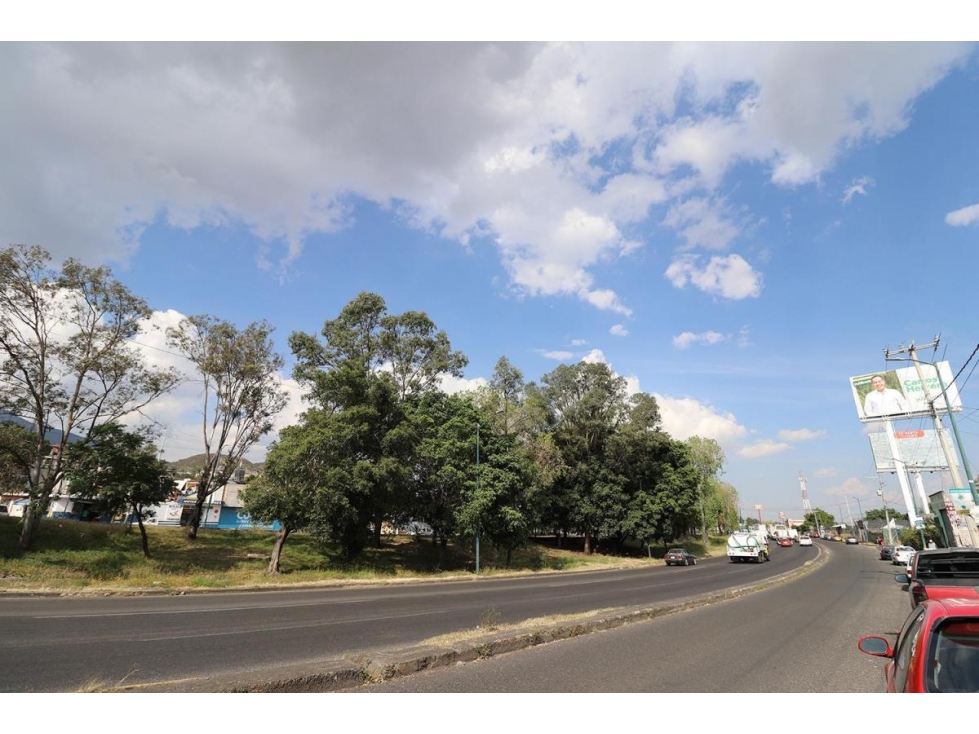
point(963, 217)
point(686, 417)
point(852, 487)
point(859, 186)
point(827, 472)
point(802, 434)
point(618, 330)
point(557, 354)
point(764, 447)
point(578, 342)
point(507, 142)
point(595, 356)
point(728, 277)
point(452, 384)
point(687, 338)
point(701, 223)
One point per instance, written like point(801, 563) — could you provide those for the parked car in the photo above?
point(785, 542)
point(941, 574)
point(805, 540)
point(902, 555)
point(886, 552)
point(850, 540)
point(680, 557)
point(936, 651)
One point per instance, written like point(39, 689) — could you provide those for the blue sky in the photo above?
point(734, 228)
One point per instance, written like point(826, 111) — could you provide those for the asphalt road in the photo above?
point(63, 643)
point(798, 637)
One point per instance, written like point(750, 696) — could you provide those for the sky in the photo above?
point(735, 228)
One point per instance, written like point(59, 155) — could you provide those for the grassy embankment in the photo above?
point(71, 556)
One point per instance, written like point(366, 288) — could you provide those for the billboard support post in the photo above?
point(902, 472)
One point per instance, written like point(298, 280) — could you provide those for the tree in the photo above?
point(67, 361)
point(121, 470)
point(585, 404)
point(819, 519)
point(295, 488)
point(708, 457)
point(238, 369)
point(18, 453)
point(369, 365)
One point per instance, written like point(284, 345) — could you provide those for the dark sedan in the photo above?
point(886, 552)
point(680, 557)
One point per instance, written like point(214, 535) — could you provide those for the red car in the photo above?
point(942, 573)
point(785, 542)
point(936, 651)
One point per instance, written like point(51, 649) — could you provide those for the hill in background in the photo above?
point(192, 465)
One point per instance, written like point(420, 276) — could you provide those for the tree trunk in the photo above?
point(376, 536)
point(32, 523)
point(142, 531)
point(280, 540)
point(195, 521)
point(509, 556)
point(587, 543)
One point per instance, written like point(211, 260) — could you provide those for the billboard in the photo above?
point(900, 394)
point(920, 450)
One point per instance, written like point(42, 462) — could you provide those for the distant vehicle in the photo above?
point(886, 552)
point(936, 651)
point(680, 557)
point(941, 574)
point(838, 538)
point(902, 555)
point(852, 541)
point(743, 547)
point(805, 540)
point(785, 542)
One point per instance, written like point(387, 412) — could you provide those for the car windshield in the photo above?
point(677, 551)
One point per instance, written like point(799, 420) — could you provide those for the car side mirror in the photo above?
point(876, 646)
point(902, 578)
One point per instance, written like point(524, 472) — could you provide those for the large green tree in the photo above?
point(67, 361)
point(368, 365)
point(238, 370)
point(120, 469)
point(585, 404)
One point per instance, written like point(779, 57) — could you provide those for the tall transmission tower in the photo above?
point(806, 507)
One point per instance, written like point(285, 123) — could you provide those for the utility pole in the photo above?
point(950, 457)
point(887, 516)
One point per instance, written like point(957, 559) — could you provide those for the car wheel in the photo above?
point(695, 561)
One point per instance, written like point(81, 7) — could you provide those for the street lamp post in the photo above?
point(477, 498)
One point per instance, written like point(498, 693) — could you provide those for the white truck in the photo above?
point(744, 547)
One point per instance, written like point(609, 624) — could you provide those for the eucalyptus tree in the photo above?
point(241, 394)
point(366, 369)
point(708, 458)
point(121, 470)
point(67, 361)
point(586, 403)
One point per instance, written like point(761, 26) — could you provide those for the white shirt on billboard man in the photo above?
point(883, 400)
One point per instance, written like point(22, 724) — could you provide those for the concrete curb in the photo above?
point(379, 666)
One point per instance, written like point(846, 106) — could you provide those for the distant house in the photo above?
point(224, 509)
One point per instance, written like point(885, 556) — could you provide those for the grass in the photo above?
point(71, 556)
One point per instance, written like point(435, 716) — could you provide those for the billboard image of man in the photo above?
point(883, 400)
